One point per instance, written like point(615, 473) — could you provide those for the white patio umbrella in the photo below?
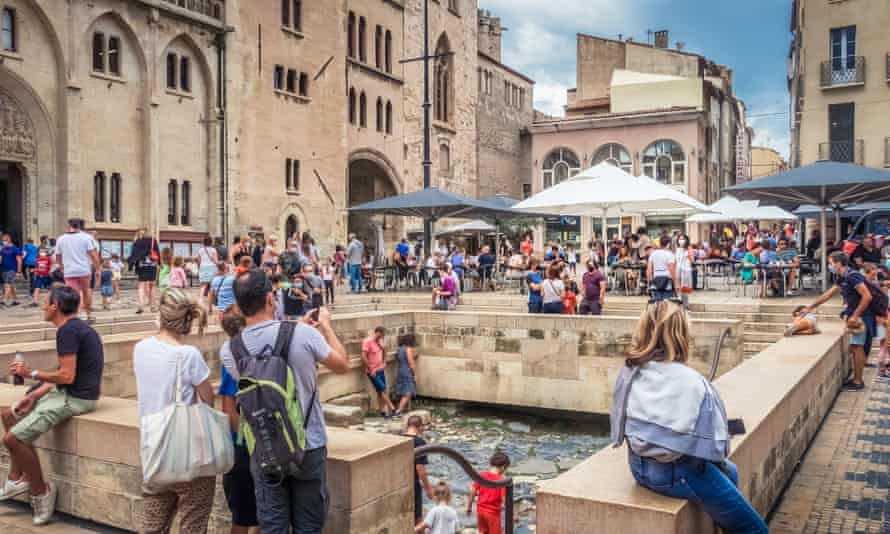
point(471, 227)
point(607, 191)
point(730, 209)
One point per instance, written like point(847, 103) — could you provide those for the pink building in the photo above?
point(652, 111)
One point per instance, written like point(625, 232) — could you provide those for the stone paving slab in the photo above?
point(843, 484)
point(15, 517)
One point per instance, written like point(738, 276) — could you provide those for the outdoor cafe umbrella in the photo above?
point(729, 209)
point(606, 190)
point(824, 184)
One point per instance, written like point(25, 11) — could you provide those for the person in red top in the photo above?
point(42, 275)
point(527, 247)
point(375, 367)
point(491, 500)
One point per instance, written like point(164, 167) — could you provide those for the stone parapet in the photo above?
point(543, 361)
point(94, 460)
point(782, 394)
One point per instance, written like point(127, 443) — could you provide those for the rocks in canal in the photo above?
point(520, 428)
point(535, 466)
point(342, 416)
point(358, 400)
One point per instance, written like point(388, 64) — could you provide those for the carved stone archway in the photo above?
point(18, 158)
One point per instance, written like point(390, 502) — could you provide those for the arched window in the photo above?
point(444, 159)
point(378, 47)
point(304, 84)
point(350, 35)
point(443, 73)
point(616, 155)
point(388, 117)
point(172, 188)
point(171, 71)
point(114, 55)
point(186, 203)
point(387, 46)
point(99, 52)
point(185, 74)
point(291, 227)
point(665, 161)
point(560, 165)
point(362, 110)
point(115, 197)
point(8, 29)
point(99, 197)
point(351, 105)
point(362, 40)
point(379, 114)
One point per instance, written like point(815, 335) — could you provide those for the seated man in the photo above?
point(789, 255)
point(72, 389)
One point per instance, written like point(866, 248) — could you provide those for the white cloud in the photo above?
point(550, 97)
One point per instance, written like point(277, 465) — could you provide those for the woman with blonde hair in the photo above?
point(156, 360)
point(675, 423)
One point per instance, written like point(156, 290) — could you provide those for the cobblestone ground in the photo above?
point(15, 518)
point(843, 485)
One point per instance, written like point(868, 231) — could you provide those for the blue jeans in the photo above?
point(705, 484)
point(355, 277)
point(552, 307)
point(299, 502)
point(535, 307)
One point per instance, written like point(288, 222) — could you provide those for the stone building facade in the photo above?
point(212, 117)
point(108, 112)
point(504, 111)
point(652, 111)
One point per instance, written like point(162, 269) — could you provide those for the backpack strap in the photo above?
point(239, 350)
point(286, 331)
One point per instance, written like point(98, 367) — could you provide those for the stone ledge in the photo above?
point(782, 394)
point(94, 459)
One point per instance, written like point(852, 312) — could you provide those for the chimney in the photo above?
point(489, 34)
point(661, 39)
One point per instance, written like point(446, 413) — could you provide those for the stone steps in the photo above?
point(752, 348)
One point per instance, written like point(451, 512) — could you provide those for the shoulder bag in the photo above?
point(183, 442)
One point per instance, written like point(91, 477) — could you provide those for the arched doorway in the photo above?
point(12, 201)
point(369, 180)
point(291, 227)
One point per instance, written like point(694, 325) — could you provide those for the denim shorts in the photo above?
point(9, 277)
point(43, 282)
point(299, 502)
point(378, 380)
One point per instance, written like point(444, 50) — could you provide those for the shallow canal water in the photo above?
point(540, 446)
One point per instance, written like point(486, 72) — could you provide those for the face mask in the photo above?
point(43, 254)
point(298, 285)
point(832, 268)
point(6, 243)
point(682, 242)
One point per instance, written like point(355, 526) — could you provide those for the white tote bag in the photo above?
point(183, 442)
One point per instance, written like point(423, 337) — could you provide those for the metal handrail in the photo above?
point(715, 362)
point(463, 463)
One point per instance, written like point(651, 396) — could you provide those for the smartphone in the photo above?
point(313, 315)
point(736, 427)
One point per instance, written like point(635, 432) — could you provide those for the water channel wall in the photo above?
point(783, 394)
point(547, 361)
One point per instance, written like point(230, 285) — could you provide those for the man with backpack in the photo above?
point(282, 423)
point(863, 302)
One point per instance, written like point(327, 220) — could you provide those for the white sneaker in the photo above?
point(14, 488)
point(44, 505)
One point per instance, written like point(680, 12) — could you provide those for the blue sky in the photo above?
point(749, 36)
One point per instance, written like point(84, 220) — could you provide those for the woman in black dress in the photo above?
point(144, 257)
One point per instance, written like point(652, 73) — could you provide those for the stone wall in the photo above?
point(566, 363)
point(782, 394)
point(94, 461)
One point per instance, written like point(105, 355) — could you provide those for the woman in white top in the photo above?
point(270, 254)
point(552, 291)
point(207, 260)
point(684, 258)
point(155, 364)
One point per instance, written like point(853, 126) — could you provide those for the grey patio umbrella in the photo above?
point(824, 184)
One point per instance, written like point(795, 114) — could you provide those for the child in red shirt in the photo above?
point(42, 275)
point(491, 500)
point(570, 300)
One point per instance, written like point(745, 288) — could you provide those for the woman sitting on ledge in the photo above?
point(675, 423)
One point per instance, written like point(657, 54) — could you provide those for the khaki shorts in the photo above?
point(52, 409)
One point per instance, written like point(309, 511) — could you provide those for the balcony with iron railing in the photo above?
point(213, 9)
point(843, 151)
point(843, 72)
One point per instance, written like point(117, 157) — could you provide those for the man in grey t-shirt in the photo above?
point(282, 504)
point(316, 286)
point(355, 253)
